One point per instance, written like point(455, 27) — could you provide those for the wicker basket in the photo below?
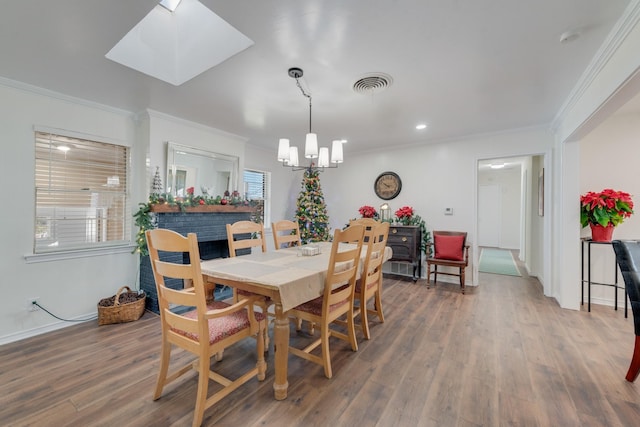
point(122, 307)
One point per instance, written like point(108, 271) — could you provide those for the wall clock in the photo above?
point(387, 185)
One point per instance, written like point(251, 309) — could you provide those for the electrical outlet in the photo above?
point(31, 306)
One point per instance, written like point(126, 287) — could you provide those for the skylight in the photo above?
point(177, 46)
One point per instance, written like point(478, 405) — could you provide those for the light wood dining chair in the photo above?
point(337, 299)
point(369, 286)
point(204, 328)
point(245, 235)
point(285, 232)
point(368, 223)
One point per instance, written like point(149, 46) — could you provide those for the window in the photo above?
point(257, 187)
point(81, 194)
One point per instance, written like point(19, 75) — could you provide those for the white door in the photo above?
point(489, 215)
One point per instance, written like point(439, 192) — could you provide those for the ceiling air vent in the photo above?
point(372, 83)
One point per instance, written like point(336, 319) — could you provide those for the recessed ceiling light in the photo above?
point(421, 126)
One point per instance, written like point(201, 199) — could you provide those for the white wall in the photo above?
point(69, 288)
point(609, 159)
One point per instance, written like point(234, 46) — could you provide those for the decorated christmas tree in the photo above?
point(311, 212)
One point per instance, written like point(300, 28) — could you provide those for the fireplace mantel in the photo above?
point(167, 208)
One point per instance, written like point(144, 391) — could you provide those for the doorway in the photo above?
point(507, 208)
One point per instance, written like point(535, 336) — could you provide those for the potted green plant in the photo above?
point(604, 211)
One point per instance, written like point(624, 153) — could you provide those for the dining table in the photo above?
point(289, 277)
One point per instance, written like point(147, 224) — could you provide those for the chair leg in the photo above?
point(165, 355)
point(263, 306)
point(203, 387)
point(634, 368)
point(462, 279)
point(351, 328)
point(428, 275)
point(260, 343)
point(364, 320)
point(378, 306)
point(326, 356)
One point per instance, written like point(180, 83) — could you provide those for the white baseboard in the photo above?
point(58, 324)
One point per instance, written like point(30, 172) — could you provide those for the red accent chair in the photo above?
point(449, 249)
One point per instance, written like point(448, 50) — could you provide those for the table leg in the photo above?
point(281, 344)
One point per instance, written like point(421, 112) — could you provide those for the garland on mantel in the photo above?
point(144, 219)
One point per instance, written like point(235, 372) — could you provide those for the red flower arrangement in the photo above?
point(404, 213)
point(368, 211)
point(190, 190)
point(605, 208)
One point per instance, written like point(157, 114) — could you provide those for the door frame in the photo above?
point(545, 268)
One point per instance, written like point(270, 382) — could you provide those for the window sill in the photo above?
point(80, 253)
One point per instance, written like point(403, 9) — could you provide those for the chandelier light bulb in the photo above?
point(293, 156)
point(283, 150)
point(311, 146)
point(323, 158)
point(336, 152)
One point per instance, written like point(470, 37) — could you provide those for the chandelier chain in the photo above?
point(308, 95)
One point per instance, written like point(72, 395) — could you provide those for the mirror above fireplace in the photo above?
point(205, 171)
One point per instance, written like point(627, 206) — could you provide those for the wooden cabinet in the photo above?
point(405, 241)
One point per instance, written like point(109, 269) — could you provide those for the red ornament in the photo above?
point(223, 202)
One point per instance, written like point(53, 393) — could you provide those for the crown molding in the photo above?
point(25, 87)
point(149, 113)
point(616, 37)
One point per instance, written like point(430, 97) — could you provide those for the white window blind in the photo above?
point(257, 187)
point(81, 194)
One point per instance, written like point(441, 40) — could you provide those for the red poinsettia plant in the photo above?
point(404, 214)
point(368, 211)
point(606, 207)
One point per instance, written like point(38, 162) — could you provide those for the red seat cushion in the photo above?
point(449, 247)
point(221, 327)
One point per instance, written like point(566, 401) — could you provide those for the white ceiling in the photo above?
point(461, 66)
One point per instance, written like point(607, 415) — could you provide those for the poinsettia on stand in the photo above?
point(604, 211)
point(311, 211)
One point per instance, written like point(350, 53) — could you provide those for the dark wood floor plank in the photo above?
point(501, 355)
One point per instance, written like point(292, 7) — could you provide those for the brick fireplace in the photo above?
point(210, 228)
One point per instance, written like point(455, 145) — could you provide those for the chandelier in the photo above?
point(288, 155)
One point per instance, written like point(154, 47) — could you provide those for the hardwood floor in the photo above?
point(501, 355)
